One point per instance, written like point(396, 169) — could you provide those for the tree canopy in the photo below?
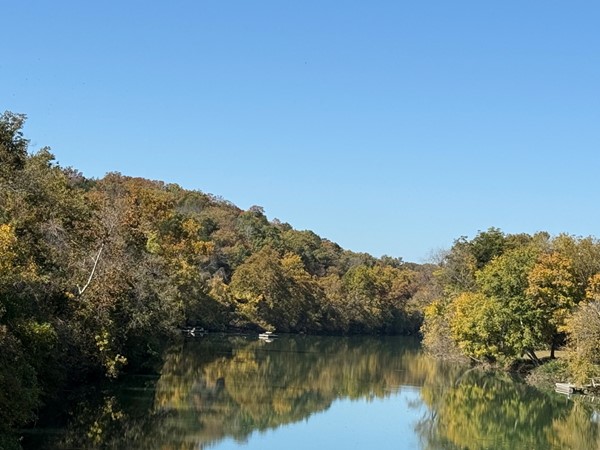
point(526, 293)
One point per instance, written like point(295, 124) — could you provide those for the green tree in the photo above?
point(551, 288)
point(487, 245)
point(584, 254)
point(504, 282)
point(479, 326)
point(583, 329)
point(457, 269)
point(13, 146)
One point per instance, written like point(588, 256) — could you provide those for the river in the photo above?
point(227, 392)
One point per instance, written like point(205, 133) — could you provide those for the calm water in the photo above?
point(232, 392)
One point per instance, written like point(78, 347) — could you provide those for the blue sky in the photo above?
point(389, 127)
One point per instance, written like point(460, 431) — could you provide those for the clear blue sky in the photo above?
point(391, 127)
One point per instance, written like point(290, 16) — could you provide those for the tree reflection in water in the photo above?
point(230, 386)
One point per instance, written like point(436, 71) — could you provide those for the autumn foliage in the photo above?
point(96, 275)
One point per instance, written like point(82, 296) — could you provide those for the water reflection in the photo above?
point(254, 385)
point(230, 387)
point(491, 410)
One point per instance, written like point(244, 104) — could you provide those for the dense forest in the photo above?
point(96, 275)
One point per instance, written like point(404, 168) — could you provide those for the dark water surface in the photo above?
point(303, 392)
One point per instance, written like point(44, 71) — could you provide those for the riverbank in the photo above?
point(545, 376)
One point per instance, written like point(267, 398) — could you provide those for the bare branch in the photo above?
point(96, 259)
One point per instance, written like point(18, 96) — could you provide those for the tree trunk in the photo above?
point(533, 357)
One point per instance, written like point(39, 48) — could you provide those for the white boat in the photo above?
point(267, 336)
point(193, 331)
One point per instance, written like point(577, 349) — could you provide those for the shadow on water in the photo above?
point(222, 387)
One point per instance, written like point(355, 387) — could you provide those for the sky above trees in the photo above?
point(390, 128)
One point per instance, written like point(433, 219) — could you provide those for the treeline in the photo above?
point(95, 274)
point(499, 297)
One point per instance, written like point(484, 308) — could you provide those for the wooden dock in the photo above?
point(567, 388)
point(593, 388)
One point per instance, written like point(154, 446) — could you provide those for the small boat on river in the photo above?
point(267, 336)
point(194, 331)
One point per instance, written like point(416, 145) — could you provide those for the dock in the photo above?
point(593, 388)
point(567, 388)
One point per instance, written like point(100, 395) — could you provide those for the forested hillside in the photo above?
point(96, 273)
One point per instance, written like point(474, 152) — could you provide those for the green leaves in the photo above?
point(506, 296)
point(13, 147)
